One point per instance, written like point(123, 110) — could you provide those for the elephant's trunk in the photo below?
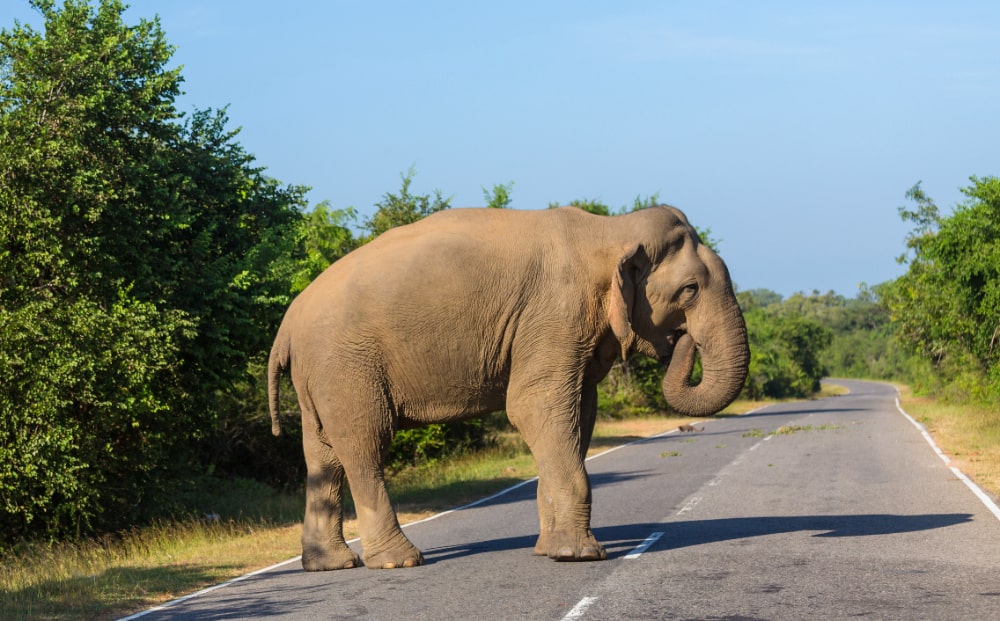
point(725, 359)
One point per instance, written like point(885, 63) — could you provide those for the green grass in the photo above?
point(457, 481)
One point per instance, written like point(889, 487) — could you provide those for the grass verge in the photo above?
point(113, 576)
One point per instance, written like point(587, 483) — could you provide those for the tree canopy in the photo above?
point(946, 307)
point(403, 208)
point(141, 269)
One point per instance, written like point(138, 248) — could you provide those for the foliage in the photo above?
point(499, 196)
point(642, 202)
point(785, 347)
point(946, 307)
point(428, 444)
point(632, 388)
point(796, 341)
point(326, 236)
point(602, 209)
point(141, 271)
point(592, 206)
point(403, 208)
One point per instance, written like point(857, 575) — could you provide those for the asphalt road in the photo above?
point(850, 513)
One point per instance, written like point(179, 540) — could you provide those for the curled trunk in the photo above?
point(725, 359)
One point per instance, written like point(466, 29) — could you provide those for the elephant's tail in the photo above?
point(277, 363)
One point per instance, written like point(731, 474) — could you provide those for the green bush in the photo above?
point(430, 443)
point(632, 388)
point(145, 262)
point(944, 309)
point(785, 347)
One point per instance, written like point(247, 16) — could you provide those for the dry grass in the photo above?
point(106, 578)
point(969, 435)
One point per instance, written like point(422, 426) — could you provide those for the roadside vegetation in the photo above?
point(148, 259)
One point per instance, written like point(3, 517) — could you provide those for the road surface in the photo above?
point(847, 512)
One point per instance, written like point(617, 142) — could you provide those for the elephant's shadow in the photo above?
point(621, 540)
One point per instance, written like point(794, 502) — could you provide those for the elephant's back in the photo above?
point(459, 266)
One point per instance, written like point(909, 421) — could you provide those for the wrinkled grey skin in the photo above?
point(470, 311)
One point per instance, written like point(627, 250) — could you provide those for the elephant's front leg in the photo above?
point(558, 437)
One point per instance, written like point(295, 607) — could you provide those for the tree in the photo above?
point(499, 196)
point(403, 208)
point(643, 202)
point(141, 271)
point(946, 306)
point(325, 237)
point(787, 342)
point(586, 204)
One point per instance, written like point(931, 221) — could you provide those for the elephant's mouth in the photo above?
point(670, 342)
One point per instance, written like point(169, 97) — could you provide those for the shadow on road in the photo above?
point(620, 540)
point(525, 491)
point(698, 532)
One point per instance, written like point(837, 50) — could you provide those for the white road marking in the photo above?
point(980, 494)
point(689, 505)
point(208, 590)
point(581, 607)
point(642, 547)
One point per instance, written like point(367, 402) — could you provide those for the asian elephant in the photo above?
point(470, 311)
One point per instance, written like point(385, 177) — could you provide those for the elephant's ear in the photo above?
point(621, 298)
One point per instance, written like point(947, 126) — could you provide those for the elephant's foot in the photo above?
point(542, 545)
point(405, 555)
point(315, 559)
point(570, 546)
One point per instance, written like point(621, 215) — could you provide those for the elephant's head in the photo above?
point(671, 296)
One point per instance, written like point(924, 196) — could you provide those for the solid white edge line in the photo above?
point(642, 547)
point(975, 489)
point(207, 590)
point(581, 607)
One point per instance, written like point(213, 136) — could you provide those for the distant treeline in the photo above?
point(146, 261)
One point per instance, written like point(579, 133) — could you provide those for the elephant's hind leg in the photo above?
point(323, 545)
point(384, 546)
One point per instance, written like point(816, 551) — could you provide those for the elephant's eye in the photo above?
point(689, 292)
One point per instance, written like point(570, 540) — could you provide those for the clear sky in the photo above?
point(791, 129)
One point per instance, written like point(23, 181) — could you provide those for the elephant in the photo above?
point(471, 311)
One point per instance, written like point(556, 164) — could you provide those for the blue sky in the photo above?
point(791, 129)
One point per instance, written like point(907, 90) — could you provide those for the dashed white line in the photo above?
point(642, 547)
point(689, 505)
point(580, 609)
